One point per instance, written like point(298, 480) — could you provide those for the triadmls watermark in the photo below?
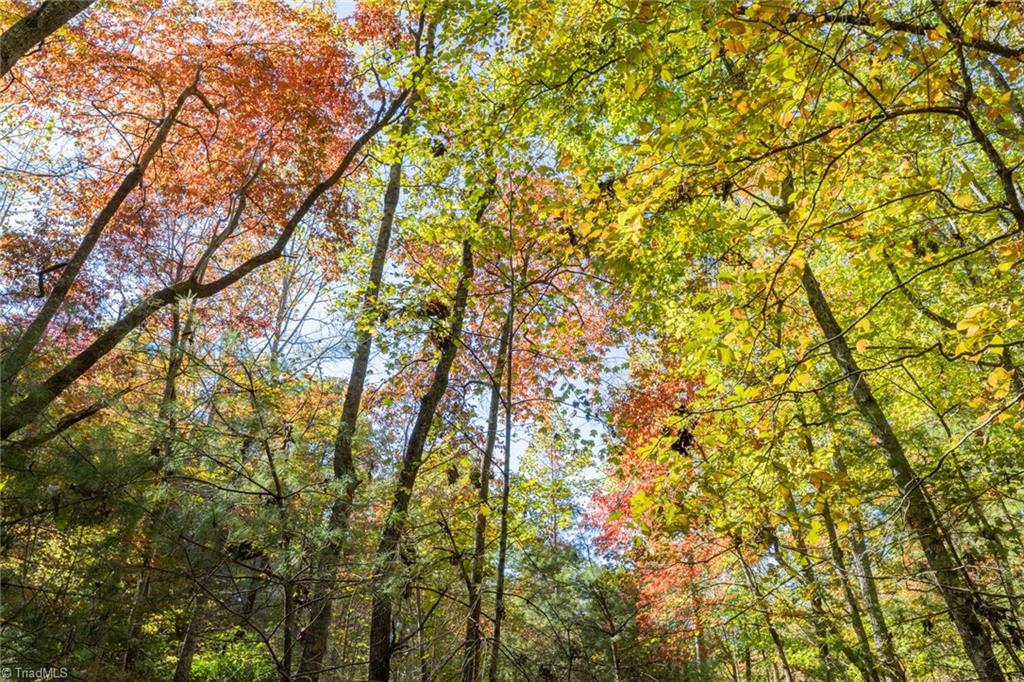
point(45, 673)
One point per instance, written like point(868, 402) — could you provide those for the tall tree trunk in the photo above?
point(474, 636)
point(499, 588)
point(959, 598)
point(161, 452)
point(866, 579)
point(810, 580)
point(869, 663)
point(35, 27)
point(190, 644)
point(856, 618)
point(379, 669)
point(762, 606)
point(315, 637)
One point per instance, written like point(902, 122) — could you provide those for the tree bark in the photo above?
point(780, 648)
point(35, 27)
point(190, 644)
point(856, 619)
point(499, 588)
point(380, 644)
point(314, 639)
point(474, 636)
point(956, 593)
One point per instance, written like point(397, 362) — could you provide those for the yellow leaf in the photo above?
point(862, 345)
point(998, 377)
point(735, 46)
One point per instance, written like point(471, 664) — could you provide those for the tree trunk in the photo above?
point(35, 27)
point(380, 644)
point(856, 619)
point(474, 636)
point(958, 597)
point(161, 451)
point(869, 665)
point(807, 576)
point(315, 637)
point(499, 588)
point(762, 606)
point(189, 645)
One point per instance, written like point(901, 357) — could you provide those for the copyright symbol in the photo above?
point(5, 673)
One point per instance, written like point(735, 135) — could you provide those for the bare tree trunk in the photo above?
point(868, 663)
point(315, 637)
point(474, 636)
point(807, 576)
point(762, 606)
point(35, 27)
point(189, 645)
point(380, 644)
point(955, 591)
point(499, 589)
point(856, 619)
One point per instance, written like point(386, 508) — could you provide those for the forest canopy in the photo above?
point(494, 340)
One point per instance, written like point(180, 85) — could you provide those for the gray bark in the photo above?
point(35, 27)
point(474, 636)
point(380, 644)
point(315, 637)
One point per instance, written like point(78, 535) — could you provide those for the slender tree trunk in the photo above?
point(819, 620)
point(380, 644)
point(141, 595)
point(762, 606)
point(499, 588)
point(161, 451)
point(917, 512)
point(35, 27)
point(315, 637)
point(190, 644)
point(868, 664)
point(866, 579)
point(474, 636)
point(284, 674)
point(856, 619)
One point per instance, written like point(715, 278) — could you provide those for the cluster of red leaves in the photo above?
point(276, 106)
point(667, 565)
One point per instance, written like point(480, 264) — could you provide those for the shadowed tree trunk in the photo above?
point(474, 636)
point(381, 635)
point(499, 588)
point(314, 639)
point(34, 27)
point(955, 591)
point(190, 644)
